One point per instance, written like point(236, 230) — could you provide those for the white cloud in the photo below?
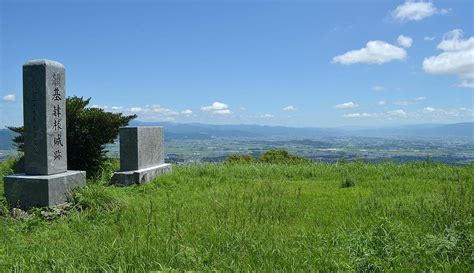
point(290, 108)
point(443, 114)
point(150, 112)
point(416, 11)
point(398, 113)
point(409, 102)
point(136, 109)
point(9, 98)
point(427, 113)
point(346, 105)
point(378, 88)
point(359, 115)
point(222, 112)
point(429, 109)
point(217, 108)
point(457, 57)
point(104, 107)
point(382, 115)
point(405, 41)
point(381, 103)
point(429, 38)
point(452, 41)
point(466, 84)
point(267, 116)
point(375, 52)
point(163, 111)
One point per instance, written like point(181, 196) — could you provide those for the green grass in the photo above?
point(263, 217)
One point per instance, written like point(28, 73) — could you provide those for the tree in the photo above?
point(88, 131)
point(19, 140)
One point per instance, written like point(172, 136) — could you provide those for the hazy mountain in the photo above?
point(6, 139)
point(197, 130)
point(465, 129)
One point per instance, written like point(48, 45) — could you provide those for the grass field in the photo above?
point(263, 217)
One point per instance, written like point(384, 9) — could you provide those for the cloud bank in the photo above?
point(375, 52)
point(457, 58)
point(416, 11)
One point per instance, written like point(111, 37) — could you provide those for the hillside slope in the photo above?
point(258, 217)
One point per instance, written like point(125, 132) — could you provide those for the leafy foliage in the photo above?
point(19, 139)
point(239, 159)
point(88, 131)
point(282, 157)
point(347, 182)
point(272, 157)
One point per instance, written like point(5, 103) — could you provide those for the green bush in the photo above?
point(282, 157)
point(88, 131)
point(347, 182)
point(239, 159)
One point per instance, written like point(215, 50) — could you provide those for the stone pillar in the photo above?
point(46, 180)
point(44, 114)
point(142, 156)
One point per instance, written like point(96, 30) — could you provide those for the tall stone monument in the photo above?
point(46, 181)
point(142, 155)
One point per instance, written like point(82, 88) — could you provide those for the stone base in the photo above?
point(27, 191)
point(140, 176)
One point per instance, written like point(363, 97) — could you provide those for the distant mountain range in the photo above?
point(196, 130)
point(6, 142)
point(206, 131)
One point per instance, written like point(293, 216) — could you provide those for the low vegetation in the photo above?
point(272, 156)
point(256, 216)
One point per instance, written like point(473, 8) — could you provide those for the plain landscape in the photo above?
point(193, 143)
point(357, 200)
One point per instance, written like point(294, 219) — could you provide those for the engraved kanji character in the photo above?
point(56, 110)
point(57, 155)
point(57, 124)
point(56, 94)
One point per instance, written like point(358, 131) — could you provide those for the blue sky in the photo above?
point(292, 63)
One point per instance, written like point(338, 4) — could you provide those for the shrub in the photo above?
point(282, 157)
point(239, 159)
point(88, 131)
point(347, 182)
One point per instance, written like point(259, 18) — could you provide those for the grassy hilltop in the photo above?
point(257, 216)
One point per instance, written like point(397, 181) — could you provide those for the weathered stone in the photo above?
point(140, 176)
point(141, 155)
point(27, 191)
point(46, 181)
point(141, 147)
point(44, 111)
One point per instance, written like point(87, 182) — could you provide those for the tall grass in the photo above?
point(264, 217)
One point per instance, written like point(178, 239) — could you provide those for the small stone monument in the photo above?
point(142, 156)
point(46, 181)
